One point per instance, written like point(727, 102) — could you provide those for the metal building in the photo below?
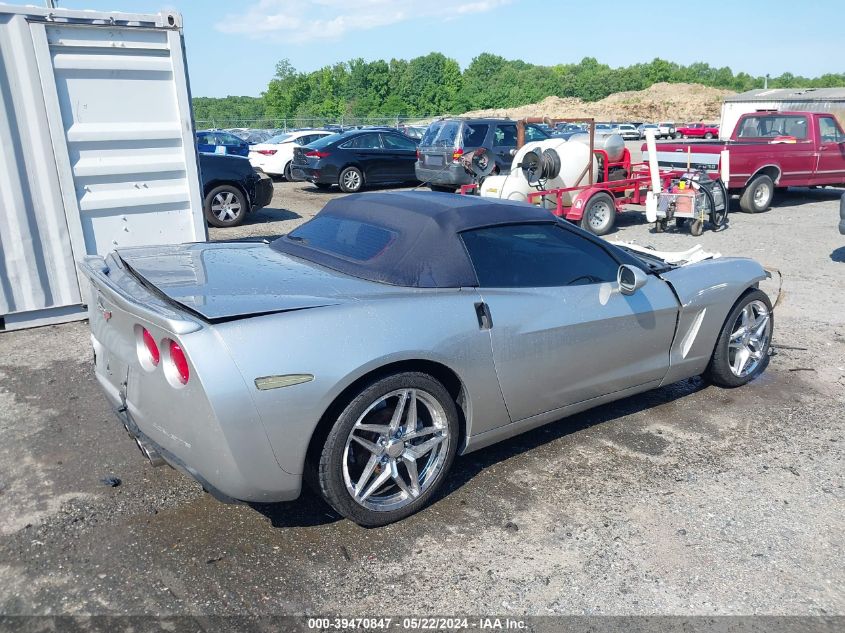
point(798, 99)
point(97, 150)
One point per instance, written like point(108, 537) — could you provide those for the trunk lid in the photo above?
point(225, 280)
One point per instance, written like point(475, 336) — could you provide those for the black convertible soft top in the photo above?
point(403, 238)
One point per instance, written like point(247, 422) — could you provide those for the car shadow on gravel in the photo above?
point(270, 214)
point(310, 510)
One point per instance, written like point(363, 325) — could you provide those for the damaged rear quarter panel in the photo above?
point(707, 291)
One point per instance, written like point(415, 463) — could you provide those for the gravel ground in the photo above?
point(686, 500)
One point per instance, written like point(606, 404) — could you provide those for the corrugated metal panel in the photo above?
point(36, 267)
point(102, 150)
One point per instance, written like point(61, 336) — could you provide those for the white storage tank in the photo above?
point(97, 150)
point(574, 158)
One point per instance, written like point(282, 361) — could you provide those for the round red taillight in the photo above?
point(180, 362)
point(152, 348)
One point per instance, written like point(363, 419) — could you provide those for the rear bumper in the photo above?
point(313, 174)
point(449, 175)
point(231, 471)
point(263, 192)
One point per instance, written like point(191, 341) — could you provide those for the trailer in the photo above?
point(97, 150)
point(614, 184)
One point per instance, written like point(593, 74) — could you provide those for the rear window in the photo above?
point(474, 134)
point(279, 138)
point(442, 134)
point(772, 126)
point(326, 140)
point(345, 238)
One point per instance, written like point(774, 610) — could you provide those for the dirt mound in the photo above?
point(660, 102)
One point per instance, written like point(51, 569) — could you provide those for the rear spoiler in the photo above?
point(112, 279)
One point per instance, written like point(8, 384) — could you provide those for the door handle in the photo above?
point(485, 319)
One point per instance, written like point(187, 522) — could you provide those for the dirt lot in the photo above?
point(686, 500)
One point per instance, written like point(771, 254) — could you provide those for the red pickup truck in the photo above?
point(697, 130)
point(767, 150)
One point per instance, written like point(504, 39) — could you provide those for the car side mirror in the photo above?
point(630, 279)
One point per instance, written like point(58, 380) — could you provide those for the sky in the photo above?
point(233, 45)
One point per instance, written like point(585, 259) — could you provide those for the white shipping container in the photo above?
point(97, 150)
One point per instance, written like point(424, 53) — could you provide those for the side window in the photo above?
point(205, 139)
point(505, 135)
point(829, 131)
point(536, 255)
point(533, 133)
point(363, 141)
point(394, 141)
point(474, 135)
point(304, 140)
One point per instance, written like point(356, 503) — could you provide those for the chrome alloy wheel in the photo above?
point(396, 450)
point(352, 180)
point(749, 341)
point(225, 206)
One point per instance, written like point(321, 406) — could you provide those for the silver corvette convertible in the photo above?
point(365, 349)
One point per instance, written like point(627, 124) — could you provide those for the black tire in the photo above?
point(350, 180)
point(696, 228)
point(442, 188)
point(323, 186)
point(330, 464)
point(757, 195)
point(599, 214)
point(225, 206)
point(719, 371)
point(287, 172)
point(660, 225)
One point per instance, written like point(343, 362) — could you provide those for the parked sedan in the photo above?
point(276, 154)
point(220, 142)
point(627, 131)
point(371, 345)
point(231, 188)
point(355, 159)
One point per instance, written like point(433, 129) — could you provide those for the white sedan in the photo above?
point(275, 155)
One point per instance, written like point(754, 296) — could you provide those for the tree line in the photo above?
point(435, 84)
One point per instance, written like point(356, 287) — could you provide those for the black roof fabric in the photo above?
point(428, 252)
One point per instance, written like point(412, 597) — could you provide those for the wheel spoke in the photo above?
point(366, 473)
point(413, 474)
point(759, 327)
point(378, 482)
point(381, 429)
point(427, 430)
point(396, 420)
point(740, 360)
point(228, 198)
point(415, 452)
point(374, 449)
point(397, 477)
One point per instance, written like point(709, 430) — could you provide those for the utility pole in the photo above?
point(52, 4)
point(766, 81)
